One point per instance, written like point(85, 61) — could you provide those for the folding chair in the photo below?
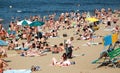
point(112, 56)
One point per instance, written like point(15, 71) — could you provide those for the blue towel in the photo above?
point(18, 71)
point(3, 43)
point(107, 40)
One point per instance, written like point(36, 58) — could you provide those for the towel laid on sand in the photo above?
point(18, 71)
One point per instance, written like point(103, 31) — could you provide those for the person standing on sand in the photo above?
point(69, 47)
point(109, 19)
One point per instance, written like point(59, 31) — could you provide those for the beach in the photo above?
point(83, 56)
point(83, 63)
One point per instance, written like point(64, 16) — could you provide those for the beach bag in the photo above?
point(64, 35)
point(37, 68)
point(72, 63)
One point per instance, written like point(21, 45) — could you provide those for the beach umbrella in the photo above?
point(24, 22)
point(3, 43)
point(92, 19)
point(36, 23)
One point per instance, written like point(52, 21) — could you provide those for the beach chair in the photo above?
point(104, 54)
point(112, 56)
point(109, 54)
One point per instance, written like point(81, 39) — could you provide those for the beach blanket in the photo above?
point(91, 43)
point(18, 71)
point(12, 55)
point(108, 29)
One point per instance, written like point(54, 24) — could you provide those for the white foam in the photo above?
point(10, 6)
point(19, 11)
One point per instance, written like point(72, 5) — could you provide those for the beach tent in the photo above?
point(24, 22)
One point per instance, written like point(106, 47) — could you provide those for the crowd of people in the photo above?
point(36, 40)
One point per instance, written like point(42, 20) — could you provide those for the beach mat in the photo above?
point(18, 71)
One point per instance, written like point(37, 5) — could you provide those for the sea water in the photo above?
point(9, 9)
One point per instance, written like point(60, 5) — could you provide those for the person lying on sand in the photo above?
point(33, 68)
point(32, 53)
point(3, 64)
point(63, 61)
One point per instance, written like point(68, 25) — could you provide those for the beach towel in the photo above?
point(18, 71)
point(91, 43)
point(3, 43)
point(114, 37)
point(108, 29)
point(107, 40)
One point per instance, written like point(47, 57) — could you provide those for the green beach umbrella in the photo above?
point(24, 22)
point(36, 23)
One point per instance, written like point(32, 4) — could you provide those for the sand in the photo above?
point(83, 56)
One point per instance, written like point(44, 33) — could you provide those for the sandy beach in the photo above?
point(83, 62)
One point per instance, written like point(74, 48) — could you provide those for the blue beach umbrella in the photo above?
point(36, 23)
point(24, 22)
point(3, 43)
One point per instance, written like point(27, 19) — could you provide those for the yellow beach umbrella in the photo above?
point(92, 19)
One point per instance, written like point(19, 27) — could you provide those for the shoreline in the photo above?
point(14, 18)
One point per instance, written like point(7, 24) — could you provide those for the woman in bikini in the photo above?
point(63, 61)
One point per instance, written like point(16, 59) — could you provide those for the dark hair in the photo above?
point(46, 44)
point(55, 45)
point(23, 44)
point(61, 44)
point(33, 45)
point(64, 56)
point(53, 30)
point(71, 38)
point(11, 41)
point(9, 25)
point(36, 37)
point(66, 45)
point(16, 39)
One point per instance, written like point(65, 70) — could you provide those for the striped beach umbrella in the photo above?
point(24, 22)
